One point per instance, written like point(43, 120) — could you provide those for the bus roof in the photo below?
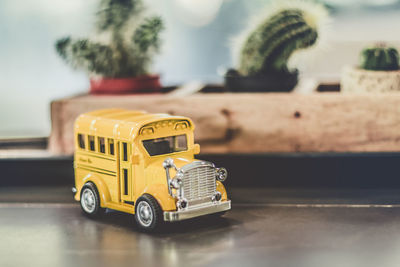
point(120, 123)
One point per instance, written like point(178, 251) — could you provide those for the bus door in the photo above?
point(125, 170)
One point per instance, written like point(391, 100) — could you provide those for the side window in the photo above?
point(111, 146)
point(81, 141)
point(102, 144)
point(125, 182)
point(124, 151)
point(91, 142)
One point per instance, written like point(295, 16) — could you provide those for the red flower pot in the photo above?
point(140, 84)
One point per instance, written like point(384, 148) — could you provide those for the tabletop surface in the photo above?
point(282, 228)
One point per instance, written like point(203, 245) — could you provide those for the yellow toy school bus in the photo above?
point(143, 164)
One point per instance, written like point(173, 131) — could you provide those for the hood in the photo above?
point(156, 172)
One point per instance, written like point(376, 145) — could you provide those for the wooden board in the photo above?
point(257, 123)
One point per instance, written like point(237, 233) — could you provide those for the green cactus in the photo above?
point(379, 57)
point(269, 46)
point(132, 44)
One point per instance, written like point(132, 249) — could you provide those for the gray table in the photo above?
point(266, 227)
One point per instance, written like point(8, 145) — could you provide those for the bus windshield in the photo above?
point(166, 145)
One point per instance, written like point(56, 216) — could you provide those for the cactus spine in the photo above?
point(131, 45)
point(269, 46)
point(380, 58)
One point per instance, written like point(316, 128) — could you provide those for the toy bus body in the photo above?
point(125, 155)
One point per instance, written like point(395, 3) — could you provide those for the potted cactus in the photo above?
point(265, 51)
point(378, 71)
point(117, 58)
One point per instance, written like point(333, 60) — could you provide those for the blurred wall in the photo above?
point(196, 46)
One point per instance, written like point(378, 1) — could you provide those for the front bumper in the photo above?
point(173, 216)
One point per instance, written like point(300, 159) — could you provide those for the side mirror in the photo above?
point(135, 159)
point(196, 149)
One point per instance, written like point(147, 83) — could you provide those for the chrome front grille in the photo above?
point(199, 184)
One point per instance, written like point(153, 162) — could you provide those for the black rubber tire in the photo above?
point(158, 219)
point(98, 211)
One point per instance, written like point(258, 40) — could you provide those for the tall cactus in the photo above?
point(268, 48)
point(131, 45)
point(379, 57)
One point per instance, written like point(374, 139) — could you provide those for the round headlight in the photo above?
point(174, 183)
point(182, 203)
point(168, 163)
point(179, 176)
point(217, 196)
point(221, 174)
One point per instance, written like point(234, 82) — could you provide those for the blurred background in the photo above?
point(196, 46)
point(313, 179)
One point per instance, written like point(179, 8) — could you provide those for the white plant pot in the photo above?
point(356, 80)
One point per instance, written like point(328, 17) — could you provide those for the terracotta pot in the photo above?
point(140, 84)
point(356, 80)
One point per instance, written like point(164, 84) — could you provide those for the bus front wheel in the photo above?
point(148, 213)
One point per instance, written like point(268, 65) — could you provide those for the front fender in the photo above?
point(160, 193)
point(222, 190)
point(101, 188)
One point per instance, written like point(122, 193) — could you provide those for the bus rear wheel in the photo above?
point(90, 201)
point(148, 213)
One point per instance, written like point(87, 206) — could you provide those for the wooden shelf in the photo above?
point(257, 122)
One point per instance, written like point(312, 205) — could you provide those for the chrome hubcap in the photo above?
point(145, 214)
point(88, 200)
